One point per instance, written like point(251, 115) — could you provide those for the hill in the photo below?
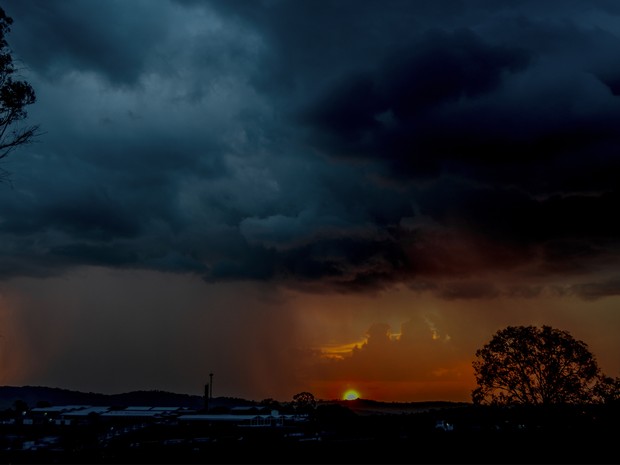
point(31, 395)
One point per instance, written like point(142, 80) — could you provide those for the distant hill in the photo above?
point(31, 395)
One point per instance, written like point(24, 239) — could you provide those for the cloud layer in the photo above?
point(469, 152)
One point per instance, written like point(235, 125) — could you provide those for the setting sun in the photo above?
point(350, 395)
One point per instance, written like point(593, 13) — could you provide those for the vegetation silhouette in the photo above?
point(15, 96)
point(304, 402)
point(529, 365)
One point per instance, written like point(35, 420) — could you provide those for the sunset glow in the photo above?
point(217, 189)
point(340, 351)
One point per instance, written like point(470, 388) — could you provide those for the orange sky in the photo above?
point(111, 331)
point(433, 342)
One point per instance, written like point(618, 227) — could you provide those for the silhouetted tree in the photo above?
point(608, 390)
point(304, 402)
point(537, 366)
point(15, 95)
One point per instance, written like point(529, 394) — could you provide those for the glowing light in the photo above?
point(350, 395)
point(340, 351)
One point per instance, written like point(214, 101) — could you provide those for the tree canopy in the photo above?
point(304, 402)
point(538, 366)
point(15, 96)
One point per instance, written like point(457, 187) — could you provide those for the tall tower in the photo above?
point(210, 385)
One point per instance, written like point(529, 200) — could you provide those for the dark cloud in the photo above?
point(98, 218)
point(597, 290)
point(95, 254)
point(113, 39)
point(462, 104)
point(341, 145)
point(390, 114)
point(531, 224)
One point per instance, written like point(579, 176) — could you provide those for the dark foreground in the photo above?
point(450, 448)
point(335, 435)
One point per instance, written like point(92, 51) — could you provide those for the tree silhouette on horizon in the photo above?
point(532, 365)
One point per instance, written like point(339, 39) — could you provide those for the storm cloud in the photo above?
point(464, 150)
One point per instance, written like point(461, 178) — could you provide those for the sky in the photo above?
point(300, 195)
